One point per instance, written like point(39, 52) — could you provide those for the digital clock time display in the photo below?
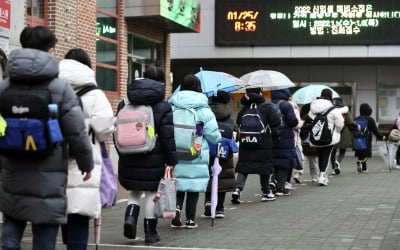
point(302, 22)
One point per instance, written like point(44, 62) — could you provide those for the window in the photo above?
point(35, 12)
point(142, 51)
point(107, 65)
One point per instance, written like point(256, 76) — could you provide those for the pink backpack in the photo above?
point(135, 132)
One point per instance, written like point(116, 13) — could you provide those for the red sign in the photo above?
point(5, 13)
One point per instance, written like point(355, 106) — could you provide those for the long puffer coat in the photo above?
point(257, 161)
point(226, 179)
point(84, 196)
point(193, 175)
point(284, 151)
point(34, 189)
point(144, 171)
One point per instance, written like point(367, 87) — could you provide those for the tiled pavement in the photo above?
point(355, 211)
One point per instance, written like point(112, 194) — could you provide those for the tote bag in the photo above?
point(165, 200)
point(108, 182)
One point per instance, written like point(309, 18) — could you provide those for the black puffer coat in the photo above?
point(257, 161)
point(144, 171)
point(366, 111)
point(226, 179)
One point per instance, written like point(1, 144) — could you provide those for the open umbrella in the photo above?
point(212, 81)
point(309, 93)
point(215, 170)
point(265, 79)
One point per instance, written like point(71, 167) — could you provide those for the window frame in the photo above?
point(31, 20)
point(117, 42)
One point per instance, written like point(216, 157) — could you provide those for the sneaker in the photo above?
point(297, 178)
point(359, 167)
point(190, 224)
point(219, 214)
point(323, 179)
point(272, 187)
point(207, 209)
point(236, 197)
point(288, 185)
point(268, 196)
point(314, 179)
point(337, 168)
point(177, 222)
point(284, 192)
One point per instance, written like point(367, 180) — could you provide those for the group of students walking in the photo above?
point(51, 191)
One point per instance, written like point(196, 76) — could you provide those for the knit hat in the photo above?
point(338, 102)
point(253, 90)
point(365, 109)
point(222, 97)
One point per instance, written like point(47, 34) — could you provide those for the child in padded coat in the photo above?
point(335, 122)
point(193, 175)
point(84, 196)
point(364, 154)
point(221, 105)
point(141, 173)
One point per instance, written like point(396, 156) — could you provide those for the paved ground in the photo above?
point(355, 211)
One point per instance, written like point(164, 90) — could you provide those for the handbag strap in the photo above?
point(168, 173)
point(103, 148)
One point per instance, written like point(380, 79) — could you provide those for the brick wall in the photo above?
point(74, 23)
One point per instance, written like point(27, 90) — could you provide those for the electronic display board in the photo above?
point(302, 22)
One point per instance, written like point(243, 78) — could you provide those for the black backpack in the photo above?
point(79, 94)
point(252, 130)
point(321, 134)
point(30, 128)
point(278, 131)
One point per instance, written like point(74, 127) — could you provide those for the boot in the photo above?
point(131, 216)
point(150, 232)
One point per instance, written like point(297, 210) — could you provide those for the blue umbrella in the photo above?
point(212, 81)
point(309, 93)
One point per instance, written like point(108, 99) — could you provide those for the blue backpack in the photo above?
point(30, 121)
point(278, 131)
point(227, 146)
point(361, 137)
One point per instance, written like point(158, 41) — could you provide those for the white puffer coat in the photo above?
point(335, 118)
point(84, 197)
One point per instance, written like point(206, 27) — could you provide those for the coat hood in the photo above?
point(145, 91)
point(320, 106)
point(344, 109)
point(31, 66)
point(189, 99)
point(280, 94)
point(77, 74)
point(365, 109)
point(249, 98)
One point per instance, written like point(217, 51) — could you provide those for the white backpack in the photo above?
point(135, 131)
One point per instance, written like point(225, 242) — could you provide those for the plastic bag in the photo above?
point(165, 200)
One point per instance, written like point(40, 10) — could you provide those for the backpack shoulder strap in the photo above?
point(329, 110)
point(86, 89)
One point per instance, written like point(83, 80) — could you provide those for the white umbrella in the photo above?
point(265, 79)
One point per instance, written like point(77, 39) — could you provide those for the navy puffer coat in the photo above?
point(257, 161)
point(284, 151)
point(226, 179)
point(144, 171)
point(366, 111)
